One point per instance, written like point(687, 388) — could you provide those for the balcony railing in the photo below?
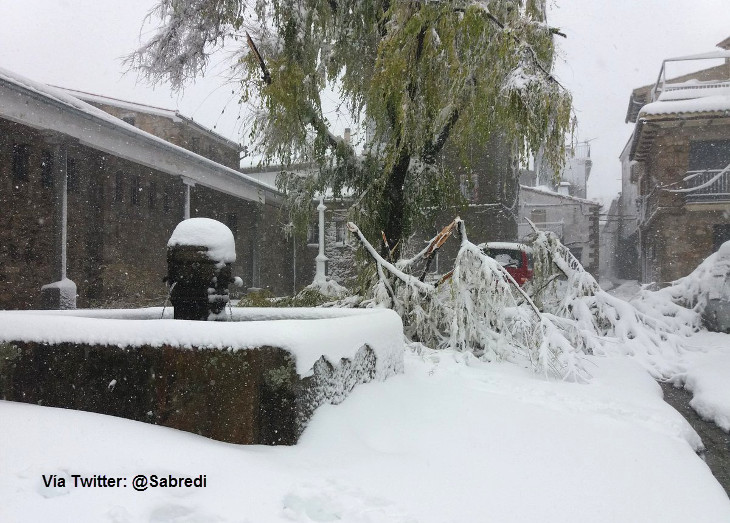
point(717, 191)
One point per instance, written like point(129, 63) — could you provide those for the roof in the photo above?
point(40, 106)
point(699, 83)
point(173, 115)
point(717, 104)
point(547, 192)
point(506, 245)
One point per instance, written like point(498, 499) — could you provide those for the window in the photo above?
point(72, 176)
point(166, 205)
point(313, 234)
point(721, 234)
point(119, 187)
point(152, 195)
point(21, 155)
point(47, 169)
point(709, 155)
point(469, 187)
point(232, 223)
point(538, 216)
point(135, 190)
point(340, 231)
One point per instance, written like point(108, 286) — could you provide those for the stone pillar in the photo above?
point(61, 292)
point(321, 259)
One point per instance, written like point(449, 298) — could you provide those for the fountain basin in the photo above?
point(254, 380)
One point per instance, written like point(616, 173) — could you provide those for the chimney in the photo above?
point(564, 188)
point(346, 136)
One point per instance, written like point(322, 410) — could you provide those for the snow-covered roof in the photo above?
point(512, 246)
point(549, 192)
point(173, 115)
point(52, 109)
point(706, 104)
point(717, 53)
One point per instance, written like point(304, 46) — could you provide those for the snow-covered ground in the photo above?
point(707, 376)
point(451, 439)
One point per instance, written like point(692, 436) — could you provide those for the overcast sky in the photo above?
point(612, 47)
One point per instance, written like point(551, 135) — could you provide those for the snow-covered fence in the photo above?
point(254, 380)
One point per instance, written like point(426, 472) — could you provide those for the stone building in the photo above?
point(676, 164)
point(91, 197)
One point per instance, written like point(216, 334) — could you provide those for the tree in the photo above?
point(418, 73)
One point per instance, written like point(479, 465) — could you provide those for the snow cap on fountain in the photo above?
point(205, 232)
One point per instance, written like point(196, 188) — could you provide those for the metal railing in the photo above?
point(717, 191)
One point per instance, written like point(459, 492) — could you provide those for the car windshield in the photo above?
point(506, 257)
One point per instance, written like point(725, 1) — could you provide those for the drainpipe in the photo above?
point(60, 293)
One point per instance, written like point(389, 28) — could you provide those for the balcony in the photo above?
point(712, 185)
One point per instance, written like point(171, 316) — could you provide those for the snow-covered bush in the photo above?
point(595, 321)
point(683, 302)
point(478, 308)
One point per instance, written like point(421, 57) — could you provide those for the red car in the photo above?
point(516, 258)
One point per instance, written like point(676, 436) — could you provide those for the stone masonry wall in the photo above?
point(681, 234)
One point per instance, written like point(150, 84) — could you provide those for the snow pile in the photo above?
point(205, 232)
point(706, 376)
point(682, 303)
point(452, 439)
point(329, 288)
point(67, 291)
point(306, 333)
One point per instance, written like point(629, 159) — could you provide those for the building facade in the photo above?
point(92, 198)
point(677, 163)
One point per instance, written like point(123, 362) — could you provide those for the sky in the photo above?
point(611, 48)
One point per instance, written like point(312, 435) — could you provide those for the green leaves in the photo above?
point(418, 74)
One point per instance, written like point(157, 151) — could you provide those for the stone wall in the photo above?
point(26, 214)
point(120, 216)
point(676, 236)
point(179, 131)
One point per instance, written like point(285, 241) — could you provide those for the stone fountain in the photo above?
point(255, 379)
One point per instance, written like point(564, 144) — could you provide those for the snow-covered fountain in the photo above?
point(199, 257)
point(254, 379)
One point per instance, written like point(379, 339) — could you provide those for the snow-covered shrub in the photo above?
point(479, 309)
point(593, 320)
point(683, 302)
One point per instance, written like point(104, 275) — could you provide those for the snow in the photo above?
point(707, 376)
point(506, 245)
point(305, 333)
point(329, 288)
point(452, 439)
point(67, 290)
point(209, 233)
point(715, 103)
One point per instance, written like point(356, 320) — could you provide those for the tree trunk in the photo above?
point(393, 209)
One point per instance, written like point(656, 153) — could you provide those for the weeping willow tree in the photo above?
point(418, 74)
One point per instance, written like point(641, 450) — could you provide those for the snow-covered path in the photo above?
point(453, 439)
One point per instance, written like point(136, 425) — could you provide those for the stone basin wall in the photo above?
point(251, 396)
